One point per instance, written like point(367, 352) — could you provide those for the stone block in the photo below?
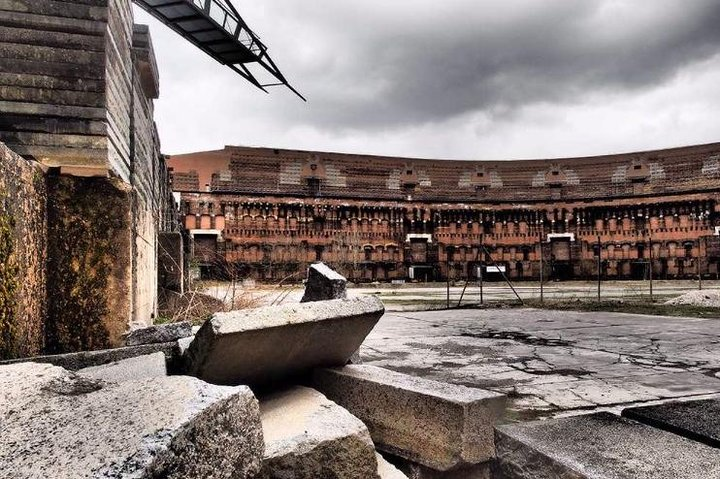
point(159, 333)
point(86, 359)
point(387, 470)
point(696, 420)
point(140, 367)
point(259, 346)
point(307, 437)
point(323, 283)
point(600, 445)
point(60, 424)
point(441, 426)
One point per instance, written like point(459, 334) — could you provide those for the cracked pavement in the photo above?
point(554, 362)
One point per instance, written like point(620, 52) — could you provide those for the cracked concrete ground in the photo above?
point(554, 362)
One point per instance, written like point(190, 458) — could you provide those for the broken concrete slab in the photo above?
point(696, 420)
point(442, 426)
point(308, 436)
point(86, 359)
point(263, 345)
point(323, 283)
point(600, 445)
point(159, 333)
point(140, 367)
point(61, 424)
point(387, 470)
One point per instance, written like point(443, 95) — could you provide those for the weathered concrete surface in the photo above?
point(387, 470)
point(554, 362)
point(323, 283)
point(86, 359)
point(442, 426)
point(59, 424)
point(598, 446)
point(23, 253)
point(307, 437)
point(266, 344)
point(696, 420)
point(140, 367)
point(159, 333)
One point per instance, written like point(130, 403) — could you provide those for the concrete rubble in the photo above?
point(324, 284)
point(600, 445)
point(160, 333)
point(387, 470)
point(259, 346)
point(60, 424)
point(140, 367)
point(86, 359)
point(441, 426)
point(307, 437)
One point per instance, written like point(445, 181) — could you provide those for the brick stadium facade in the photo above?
point(268, 213)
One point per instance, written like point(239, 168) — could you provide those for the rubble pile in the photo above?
point(263, 393)
point(703, 298)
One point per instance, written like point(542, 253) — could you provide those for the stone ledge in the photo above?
point(442, 426)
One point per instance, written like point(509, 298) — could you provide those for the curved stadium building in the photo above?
point(267, 213)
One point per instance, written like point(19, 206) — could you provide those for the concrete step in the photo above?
point(696, 420)
point(600, 445)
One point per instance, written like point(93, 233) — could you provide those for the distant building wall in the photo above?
point(23, 252)
point(269, 213)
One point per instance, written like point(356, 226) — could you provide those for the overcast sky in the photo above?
point(462, 79)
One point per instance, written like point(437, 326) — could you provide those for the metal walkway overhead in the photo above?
point(215, 27)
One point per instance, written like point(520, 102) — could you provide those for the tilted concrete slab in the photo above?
point(59, 424)
point(442, 426)
point(323, 283)
point(159, 333)
point(308, 437)
point(696, 420)
point(600, 445)
point(140, 367)
point(259, 346)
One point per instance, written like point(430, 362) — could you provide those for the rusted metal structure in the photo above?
point(216, 28)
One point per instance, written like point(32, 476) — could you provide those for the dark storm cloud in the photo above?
point(456, 78)
point(374, 65)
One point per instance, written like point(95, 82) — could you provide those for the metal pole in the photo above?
point(480, 273)
point(698, 266)
point(651, 269)
point(542, 296)
point(467, 280)
point(503, 275)
point(447, 279)
point(599, 266)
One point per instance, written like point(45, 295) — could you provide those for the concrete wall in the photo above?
point(23, 251)
point(77, 83)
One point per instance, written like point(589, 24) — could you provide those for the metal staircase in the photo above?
point(215, 27)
